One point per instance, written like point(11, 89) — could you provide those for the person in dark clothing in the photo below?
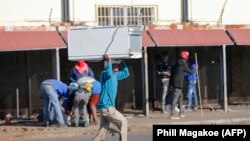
point(80, 70)
point(164, 70)
point(176, 83)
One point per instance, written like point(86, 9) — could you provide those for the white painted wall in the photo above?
point(209, 11)
point(205, 10)
point(25, 12)
point(36, 12)
point(168, 10)
point(237, 12)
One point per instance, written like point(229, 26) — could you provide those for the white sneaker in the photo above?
point(177, 109)
point(174, 117)
point(164, 112)
point(182, 115)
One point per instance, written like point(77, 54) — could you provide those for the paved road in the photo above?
point(20, 130)
point(140, 136)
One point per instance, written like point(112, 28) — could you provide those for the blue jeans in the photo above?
point(191, 94)
point(50, 98)
point(52, 111)
point(165, 83)
point(80, 107)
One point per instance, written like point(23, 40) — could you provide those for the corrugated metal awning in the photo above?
point(240, 36)
point(146, 40)
point(190, 37)
point(64, 35)
point(30, 40)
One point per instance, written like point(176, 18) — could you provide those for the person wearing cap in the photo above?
point(106, 105)
point(50, 90)
point(80, 70)
point(176, 83)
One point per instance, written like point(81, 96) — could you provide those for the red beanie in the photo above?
point(184, 54)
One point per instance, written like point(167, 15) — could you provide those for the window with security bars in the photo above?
point(126, 15)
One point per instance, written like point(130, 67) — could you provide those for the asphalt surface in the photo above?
point(137, 122)
point(144, 136)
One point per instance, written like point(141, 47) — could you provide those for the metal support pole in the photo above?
point(198, 82)
point(143, 80)
point(17, 103)
point(57, 64)
point(29, 84)
point(146, 100)
point(225, 106)
point(73, 10)
point(184, 8)
point(154, 78)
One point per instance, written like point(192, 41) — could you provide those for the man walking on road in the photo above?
point(109, 115)
point(176, 82)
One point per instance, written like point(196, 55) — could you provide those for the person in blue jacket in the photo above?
point(106, 105)
point(50, 90)
point(192, 100)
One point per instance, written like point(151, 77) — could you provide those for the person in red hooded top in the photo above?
point(81, 69)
